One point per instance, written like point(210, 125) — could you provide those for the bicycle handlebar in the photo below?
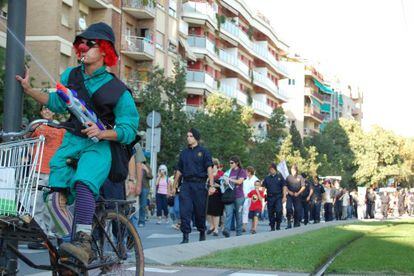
point(30, 127)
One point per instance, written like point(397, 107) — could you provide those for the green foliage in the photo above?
point(263, 151)
point(167, 96)
point(296, 138)
point(224, 128)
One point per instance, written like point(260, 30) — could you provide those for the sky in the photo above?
point(366, 42)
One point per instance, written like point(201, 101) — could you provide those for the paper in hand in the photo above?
point(282, 168)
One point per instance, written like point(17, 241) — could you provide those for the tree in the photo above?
point(297, 142)
point(167, 96)
point(263, 152)
point(224, 128)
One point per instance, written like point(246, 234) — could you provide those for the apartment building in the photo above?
point(146, 35)
point(316, 99)
point(238, 55)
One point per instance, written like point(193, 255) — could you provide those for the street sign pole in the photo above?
point(154, 139)
point(153, 154)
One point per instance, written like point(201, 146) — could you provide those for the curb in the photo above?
point(173, 254)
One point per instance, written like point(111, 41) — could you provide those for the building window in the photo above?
point(161, 4)
point(3, 12)
point(64, 20)
point(173, 8)
point(172, 47)
point(159, 41)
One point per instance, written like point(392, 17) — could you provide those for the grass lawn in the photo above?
point(300, 253)
point(389, 250)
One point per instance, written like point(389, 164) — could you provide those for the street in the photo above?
point(152, 235)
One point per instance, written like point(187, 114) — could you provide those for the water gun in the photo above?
point(78, 108)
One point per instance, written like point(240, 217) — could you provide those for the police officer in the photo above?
point(295, 187)
point(195, 165)
point(318, 190)
point(276, 196)
point(306, 196)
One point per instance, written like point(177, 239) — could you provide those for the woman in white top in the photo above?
point(328, 201)
point(248, 185)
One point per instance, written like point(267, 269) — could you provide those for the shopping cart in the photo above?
point(20, 163)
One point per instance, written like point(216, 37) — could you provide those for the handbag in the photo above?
point(229, 195)
point(170, 201)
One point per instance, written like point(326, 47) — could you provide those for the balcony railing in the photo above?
point(310, 92)
point(263, 107)
point(200, 77)
point(310, 131)
point(243, 67)
point(245, 39)
point(138, 46)
point(311, 111)
point(227, 58)
point(263, 80)
point(138, 9)
point(201, 42)
point(233, 92)
point(202, 8)
point(231, 28)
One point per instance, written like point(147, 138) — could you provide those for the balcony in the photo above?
point(262, 108)
point(96, 4)
point(245, 40)
point(264, 82)
point(311, 92)
point(201, 42)
point(233, 93)
point(137, 9)
point(138, 48)
point(195, 11)
point(200, 79)
point(307, 131)
point(243, 67)
point(228, 58)
point(230, 28)
point(311, 112)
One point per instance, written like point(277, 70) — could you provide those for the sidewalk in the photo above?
point(169, 255)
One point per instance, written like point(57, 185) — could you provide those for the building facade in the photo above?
point(238, 55)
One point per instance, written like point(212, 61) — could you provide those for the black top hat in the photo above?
point(98, 31)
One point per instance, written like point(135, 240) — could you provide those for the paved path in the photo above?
point(161, 247)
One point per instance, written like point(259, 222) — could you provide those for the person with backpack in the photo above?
point(114, 106)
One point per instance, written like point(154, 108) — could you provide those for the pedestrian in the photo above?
point(53, 139)
point(295, 187)
point(370, 202)
point(248, 185)
point(256, 197)
point(385, 204)
point(345, 200)
point(196, 166)
point(354, 202)
point(305, 197)
point(95, 48)
point(411, 204)
point(337, 202)
point(328, 205)
point(275, 186)
point(318, 192)
point(236, 177)
point(215, 205)
point(401, 202)
point(163, 189)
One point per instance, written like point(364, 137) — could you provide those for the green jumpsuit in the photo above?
point(94, 158)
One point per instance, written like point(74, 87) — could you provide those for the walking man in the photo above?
point(318, 190)
point(295, 188)
point(196, 166)
point(276, 195)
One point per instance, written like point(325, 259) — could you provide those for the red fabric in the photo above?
point(106, 47)
point(53, 139)
point(255, 203)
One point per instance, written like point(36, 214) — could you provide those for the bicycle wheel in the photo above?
point(118, 245)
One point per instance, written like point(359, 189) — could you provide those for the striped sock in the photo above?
point(84, 205)
point(61, 216)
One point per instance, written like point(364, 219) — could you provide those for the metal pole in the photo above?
point(13, 93)
point(153, 154)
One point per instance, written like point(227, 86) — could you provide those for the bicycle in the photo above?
point(116, 243)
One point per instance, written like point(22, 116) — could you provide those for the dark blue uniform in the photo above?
point(193, 165)
point(305, 203)
point(318, 190)
point(294, 203)
point(274, 185)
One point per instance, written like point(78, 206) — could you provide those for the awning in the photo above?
point(341, 100)
point(322, 87)
point(316, 103)
point(187, 49)
point(326, 108)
